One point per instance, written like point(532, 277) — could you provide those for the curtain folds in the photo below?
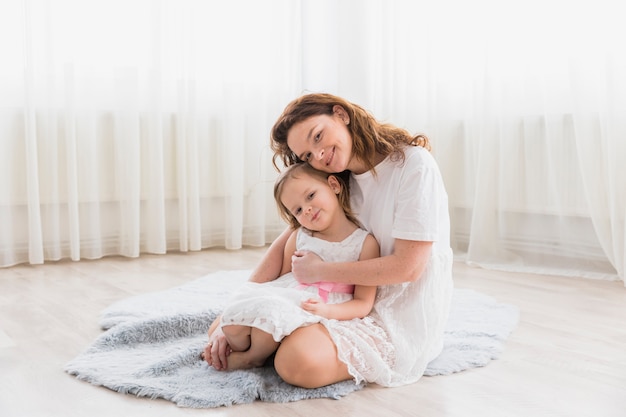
point(130, 127)
point(133, 127)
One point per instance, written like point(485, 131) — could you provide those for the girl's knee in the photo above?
point(297, 368)
point(308, 359)
point(296, 359)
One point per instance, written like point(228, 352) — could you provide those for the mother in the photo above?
point(398, 194)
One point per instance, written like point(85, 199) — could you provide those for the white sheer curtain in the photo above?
point(140, 126)
point(525, 103)
point(143, 126)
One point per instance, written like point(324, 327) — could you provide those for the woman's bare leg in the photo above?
point(308, 358)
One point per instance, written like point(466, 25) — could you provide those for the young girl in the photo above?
point(259, 316)
point(398, 193)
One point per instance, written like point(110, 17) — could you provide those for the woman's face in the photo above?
point(323, 141)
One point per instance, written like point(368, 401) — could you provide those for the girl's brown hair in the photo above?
point(299, 170)
point(369, 137)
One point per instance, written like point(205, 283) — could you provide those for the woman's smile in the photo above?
point(331, 154)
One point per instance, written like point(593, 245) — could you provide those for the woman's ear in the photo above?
point(340, 112)
point(334, 184)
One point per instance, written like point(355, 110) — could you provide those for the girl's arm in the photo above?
point(364, 296)
point(358, 307)
point(407, 263)
point(290, 248)
point(271, 264)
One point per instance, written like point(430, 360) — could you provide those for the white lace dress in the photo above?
point(274, 306)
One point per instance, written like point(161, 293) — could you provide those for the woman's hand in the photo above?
point(217, 350)
point(306, 267)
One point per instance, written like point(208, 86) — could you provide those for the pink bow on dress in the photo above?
point(325, 288)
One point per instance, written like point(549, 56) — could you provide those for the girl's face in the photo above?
point(312, 201)
point(324, 142)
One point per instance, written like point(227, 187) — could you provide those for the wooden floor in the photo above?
point(566, 358)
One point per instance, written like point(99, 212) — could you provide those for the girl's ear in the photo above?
point(340, 112)
point(334, 184)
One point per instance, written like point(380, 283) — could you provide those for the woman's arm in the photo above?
point(271, 264)
point(407, 263)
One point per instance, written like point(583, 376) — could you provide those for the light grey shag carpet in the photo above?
point(152, 345)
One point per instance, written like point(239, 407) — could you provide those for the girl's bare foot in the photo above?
point(205, 355)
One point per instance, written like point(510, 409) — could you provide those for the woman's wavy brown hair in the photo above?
point(369, 137)
point(299, 170)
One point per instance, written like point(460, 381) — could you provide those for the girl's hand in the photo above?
point(315, 306)
point(306, 266)
point(217, 350)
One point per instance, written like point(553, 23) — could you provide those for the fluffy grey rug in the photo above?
point(152, 344)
